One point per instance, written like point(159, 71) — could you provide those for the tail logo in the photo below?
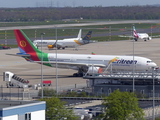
point(22, 43)
point(113, 60)
point(77, 42)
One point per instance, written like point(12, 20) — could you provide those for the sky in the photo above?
point(73, 3)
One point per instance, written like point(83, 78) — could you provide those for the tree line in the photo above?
point(50, 13)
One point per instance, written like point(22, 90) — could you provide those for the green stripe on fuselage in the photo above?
point(45, 58)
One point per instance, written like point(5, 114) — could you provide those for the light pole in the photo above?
point(42, 66)
point(56, 63)
point(35, 34)
point(5, 37)
point(153, 113)
point(109, 33)
point(151, 31)
point(133, 60)
point(89, 64)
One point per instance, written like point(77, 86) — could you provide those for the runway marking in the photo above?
point(2, 65)
point(17, 62)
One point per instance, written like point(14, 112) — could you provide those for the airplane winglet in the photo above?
point(79, 34)
point(93, 53)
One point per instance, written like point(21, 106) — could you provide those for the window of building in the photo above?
point(28, 116)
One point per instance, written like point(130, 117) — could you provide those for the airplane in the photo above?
point(65, 43)
point(143, 36)
point(136, 36)
point(80, 62)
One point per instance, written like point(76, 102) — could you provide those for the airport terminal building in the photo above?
point(144, 82)
point(22, 110)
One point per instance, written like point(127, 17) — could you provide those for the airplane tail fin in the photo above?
point(79, 34)
point(86, 39)
point(26, 47)
point(93, 53)
point(135, 33)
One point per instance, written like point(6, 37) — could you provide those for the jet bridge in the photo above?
point(147, 75)
point(110, 80)
point(109, 73)
point(13, 80)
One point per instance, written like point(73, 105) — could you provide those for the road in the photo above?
point(80, 24)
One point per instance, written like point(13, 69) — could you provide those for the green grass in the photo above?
point(12, 46)
point(10, 24)
point(103, 29)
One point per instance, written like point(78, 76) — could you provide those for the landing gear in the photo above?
point(135, 39)
point(78, 75)
point(81, 71)
point(60, 47)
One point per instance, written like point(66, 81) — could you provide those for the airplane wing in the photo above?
point(79, 34)
point(60, 45)
point(70, 63)
point(156, 36)
point(129, 36)
point(133, 37)
point(93, 41)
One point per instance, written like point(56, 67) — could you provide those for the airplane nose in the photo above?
point(153, 65)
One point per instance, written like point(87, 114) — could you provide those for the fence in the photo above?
point(14, 93)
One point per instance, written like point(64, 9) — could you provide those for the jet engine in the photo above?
point(88, 70)
point(50, 46)
point(149, 38)
point(93, 70)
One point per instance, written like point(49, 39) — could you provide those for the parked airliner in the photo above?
point(65, 43)
point(143, 36)
point(136, 36)
point(80, 62)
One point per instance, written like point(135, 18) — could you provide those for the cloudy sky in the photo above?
point(73, 3)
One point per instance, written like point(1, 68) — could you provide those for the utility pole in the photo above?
point(42, 66)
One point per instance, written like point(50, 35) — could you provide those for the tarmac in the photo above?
point(32, 71)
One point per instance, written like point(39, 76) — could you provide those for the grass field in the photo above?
point(65, 32)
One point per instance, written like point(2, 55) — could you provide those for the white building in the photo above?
point(22, 110)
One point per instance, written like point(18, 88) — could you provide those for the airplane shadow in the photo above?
point(67, 49)
point(44, 76)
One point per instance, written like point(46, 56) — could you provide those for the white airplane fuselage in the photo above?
point(72, 42)
point(144, 36)
point(119, 62)
point(68, 42)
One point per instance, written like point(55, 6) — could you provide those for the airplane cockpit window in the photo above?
point(149, 61)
